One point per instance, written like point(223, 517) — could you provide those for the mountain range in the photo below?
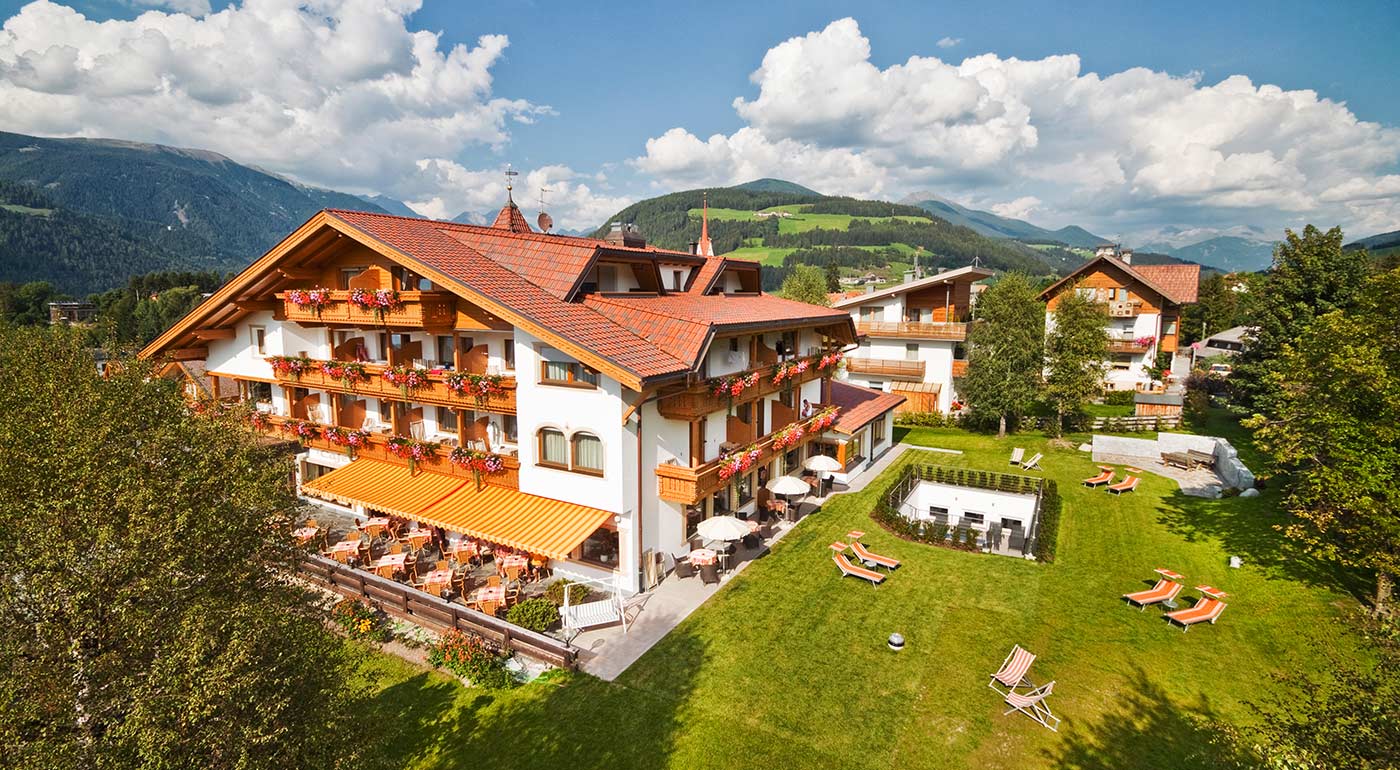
point(1229, 253)
point(997, 226)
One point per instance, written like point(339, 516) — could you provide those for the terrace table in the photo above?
point(701, 557)
point(305, 535)
point(463, 548)
point(437, 581)
point(488, 594)
point(348, 547)
point(515, 560)
point(373, 527)
point(390, 561)
point(418, 538)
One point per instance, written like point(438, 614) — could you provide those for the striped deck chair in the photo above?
point(1016, 455)
point(1164, 591)
point(1033, 705)
point(1032, 464)
point(852, 570)
point(1207, 609)
point(1126, 485)
point(864, 555)
point(1103, 478)
point(1012, 673)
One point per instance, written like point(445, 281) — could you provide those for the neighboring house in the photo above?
point(1230, 342)
point(71, 312)
point(913, 337)
point(1144, 307)
point(584, 370)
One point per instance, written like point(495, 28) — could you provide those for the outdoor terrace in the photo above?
point(914, 330)
point(417, 310)
point(688, 485)
point(700, 399)
point(373, 385)
point(887, 367)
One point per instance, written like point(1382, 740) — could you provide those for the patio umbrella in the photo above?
point(788, 485)
point(722, 528)
point(822, 464)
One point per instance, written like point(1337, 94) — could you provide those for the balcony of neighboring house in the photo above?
point(383, 308)
point(468, 387)
point(893, 368)
point(691, 484)
point(377, 447)
point(703, 398)
point(959, 367)
point(1121, 342)
point(914, 330)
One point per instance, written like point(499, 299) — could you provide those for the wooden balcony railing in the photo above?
point(699, 400)
point(436, 393)
point(959, 367)
point(419, 310)
point(1127, 345)
point(916, 330)
point(886, 367)
point(508, 478)
point(687, 485)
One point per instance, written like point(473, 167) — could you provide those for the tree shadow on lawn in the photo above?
point(1245, 528)
point(560, 720)
point(1148, 730)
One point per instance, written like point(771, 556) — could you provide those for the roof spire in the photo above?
point(510, 183)
point(704, 248)
point(510, 217)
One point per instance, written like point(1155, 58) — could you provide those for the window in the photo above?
point(938, 512)
point(510, 428)
point(446, 350)
point(347, 273)
point(257, 392)
point(868, 314)
point(877, 432)
point(259, 339)
point(588, 453)
point(446, 419)
point(312, 471)
point(601, 547)
point(1171, 328)
point(721, 499)
point(556, 372)
point(677, 280)
point(911, 351)
point(508, 354)
point(745, 488)
point(973, 519)
point(566, 373)
point(1087, 293)
point(554, 450)
point(694, 514)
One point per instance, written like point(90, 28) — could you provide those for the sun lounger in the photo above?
point(867, 556)
point(1012, 673)
point(1033, 705)
point(1016, 455)
point(1164, 591)
point(1033, 463)
point(1103, 478)
point(849, 569)
point(1205, 610)
point(1126, 485)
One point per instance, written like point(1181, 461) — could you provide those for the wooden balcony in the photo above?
point(700, 399)
point(420, 310)
point(959, 367)
point(1126, 345)
point(688, 485)
point(887, 367)
point(914, 330)
point(509, 478)
point(437, 392)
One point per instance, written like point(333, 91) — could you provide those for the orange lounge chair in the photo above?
point(864, 555)
point(1207, 609)
point(1103, 478)
point(848, 568)
point(1164, 591)
point(1013, 670)
point(1126, 485)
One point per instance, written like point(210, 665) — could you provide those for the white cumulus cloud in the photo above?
point(948, 42)
point(192, 7)
point(1127, 151)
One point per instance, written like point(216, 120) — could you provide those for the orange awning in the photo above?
point(539, 525)
point(383, 487)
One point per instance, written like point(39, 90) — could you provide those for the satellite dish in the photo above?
point(545, 221)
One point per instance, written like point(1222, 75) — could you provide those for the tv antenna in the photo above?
point(544, 220)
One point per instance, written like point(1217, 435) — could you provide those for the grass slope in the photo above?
point(786, 666)
point(801, 221)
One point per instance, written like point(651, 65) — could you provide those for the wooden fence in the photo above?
point(432, 612)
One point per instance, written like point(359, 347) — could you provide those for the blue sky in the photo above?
point(578, 90)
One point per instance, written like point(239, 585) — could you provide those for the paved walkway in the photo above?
point(607, 652)
point(1201, 482)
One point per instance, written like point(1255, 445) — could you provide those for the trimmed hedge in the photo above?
point(1049, 522)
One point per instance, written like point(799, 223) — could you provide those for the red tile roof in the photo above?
point(860, 406)
point(707, 275)
point(511, 219)
point(1180, 282)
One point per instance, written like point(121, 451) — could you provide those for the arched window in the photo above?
point(554, 450)
point(588, 453)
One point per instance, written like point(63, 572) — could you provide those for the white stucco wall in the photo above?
point(994, 506)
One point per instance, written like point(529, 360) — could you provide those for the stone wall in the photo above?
point(1227, 460)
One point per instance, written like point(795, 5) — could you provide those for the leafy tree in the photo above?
point(27, 304)
point(149, 622)
point(1311, 276)
point(805, 284)
point(1160, 367)
point(1217, 308)
point(1335, 433)
point(1006, 345)
point(1076, 355)
point(833, 277)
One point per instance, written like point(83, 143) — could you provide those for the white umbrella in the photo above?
point(822, 464)
point(723, 528)
point(788, 485)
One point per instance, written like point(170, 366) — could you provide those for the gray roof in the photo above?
point(1167, 399)
point(1233, 334)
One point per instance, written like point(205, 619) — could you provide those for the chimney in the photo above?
point(1126, 255)
point(870, 288)
point(620, 234)
point(908, 276)
point(694, 247)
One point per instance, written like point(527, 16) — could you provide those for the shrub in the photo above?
point(359, 621)
point(578, 593)
point(1049, 523)
point(926, 419)
point(472, 658)
point(1119, 397)
point(536, 614)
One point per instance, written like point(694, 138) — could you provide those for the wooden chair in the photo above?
point(385, 571)
point(341, 556)
point(493, 580)
point(313, 523)
point(396, 548)
point(441, 564)
point(490, 607)
point(513, 575)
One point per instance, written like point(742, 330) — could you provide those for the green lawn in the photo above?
point(774, 256)
point(18, 209)
point(786, 666)
point(800, 221)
